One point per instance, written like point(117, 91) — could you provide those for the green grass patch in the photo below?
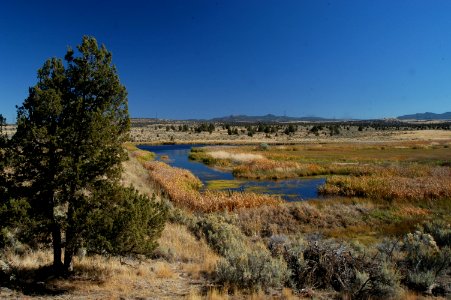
point(144, 156)
point(385, 215)
point(223, 184)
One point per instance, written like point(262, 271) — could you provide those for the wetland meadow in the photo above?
point(366, 204)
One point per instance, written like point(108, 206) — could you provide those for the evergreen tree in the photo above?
point(68, 147)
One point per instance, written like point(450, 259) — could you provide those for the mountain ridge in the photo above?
point(426, 116)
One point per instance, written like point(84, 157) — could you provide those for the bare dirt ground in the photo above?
point(425, 135)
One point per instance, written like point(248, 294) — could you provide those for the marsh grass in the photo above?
point(182, 187)
point(392, 188)
point(318, 159)
point(223, 184)
point(402, 171)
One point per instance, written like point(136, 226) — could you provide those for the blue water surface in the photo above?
point(288, 189)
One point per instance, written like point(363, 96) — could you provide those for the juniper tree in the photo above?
point(68, 148)
point(13, 211)
point(3, 178)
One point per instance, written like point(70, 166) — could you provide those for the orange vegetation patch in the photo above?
point(408, 211)
point(392, 187)
point(182, 187)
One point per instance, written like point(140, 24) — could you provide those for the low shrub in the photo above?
point(424, 261)
point(222, 236)
point(254, 269)
point(326, 264)
point(440, 231)
point(243, 266)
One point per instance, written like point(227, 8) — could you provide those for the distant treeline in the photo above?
point(334, 128)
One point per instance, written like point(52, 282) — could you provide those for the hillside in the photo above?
point(427, 116)
point(269, 118)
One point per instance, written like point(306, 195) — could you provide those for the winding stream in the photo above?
point(289, 189)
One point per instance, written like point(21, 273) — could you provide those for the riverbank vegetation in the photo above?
point(183, 188)
point(390, 194)
point(280, 161)
point(386, 237)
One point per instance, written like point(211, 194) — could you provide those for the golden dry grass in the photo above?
point(390, 187)
point(180, 245)
point(135, 175)
point(225, 294)
point(98, 277)
point(163, 270)
point(182, 187)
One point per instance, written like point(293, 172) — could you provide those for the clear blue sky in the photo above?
point(202, 59)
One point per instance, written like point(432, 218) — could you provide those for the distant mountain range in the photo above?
point(270, 118)
point(265, 119)
point(427, 116)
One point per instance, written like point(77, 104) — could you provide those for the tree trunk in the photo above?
point(69, 250)
point(70, 246)
point(56, 236)
point(68, 255)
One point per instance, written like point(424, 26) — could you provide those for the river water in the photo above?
point(288, 189)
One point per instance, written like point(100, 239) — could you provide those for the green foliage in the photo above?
point(316, 129)
point(424, 260)
point(210, 127)
point(198, 154)
point(130, 226)
point(185, 128)
point(263, 146)
point(15, 224)
point(334, 129)
point(440, 231)
point(68, 149)
point(250, 130)
point(290, 129)
point(222, 236)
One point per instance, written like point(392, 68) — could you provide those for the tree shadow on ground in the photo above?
point(34, 282)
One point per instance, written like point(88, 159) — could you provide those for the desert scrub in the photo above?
point(327, 264)
point(424, 261)
point(439, 230)
point(243, 265)
point(251, 269)
point(219, 232)
point(308, 216)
